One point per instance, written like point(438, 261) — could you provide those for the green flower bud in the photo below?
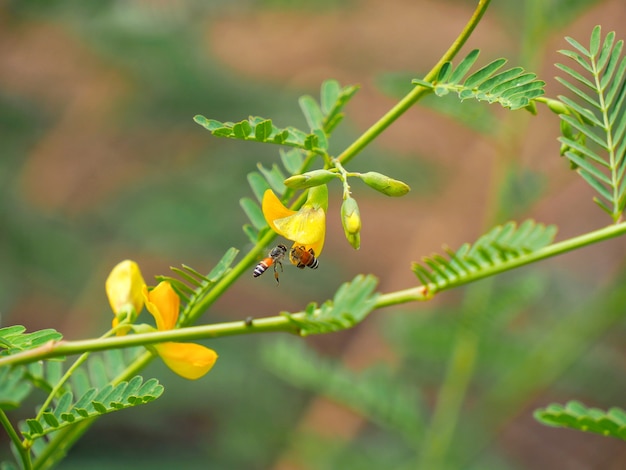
point(384, 184)
point(310, 179)
point(557, 107)
point(531, 108)
point(351, 221)
point(566, 130)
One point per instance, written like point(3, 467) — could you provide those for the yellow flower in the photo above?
point(124, 288)
point(189, 360)
point(305, 227)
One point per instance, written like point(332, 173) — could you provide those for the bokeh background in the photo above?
point(100, 160)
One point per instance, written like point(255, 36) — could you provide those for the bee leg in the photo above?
point(276, 272)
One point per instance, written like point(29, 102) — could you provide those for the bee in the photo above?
point(274, 258)
point(301, 257)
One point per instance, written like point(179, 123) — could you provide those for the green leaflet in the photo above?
point(575, 415)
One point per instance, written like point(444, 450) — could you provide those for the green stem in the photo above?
point(458, 376)
point(417, 93)
point(549, 251)
point(281, 323)
point(17, 442)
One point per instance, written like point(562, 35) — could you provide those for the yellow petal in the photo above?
point(124, 287)
point(307, 227)
point(274, 209)
point(164, 305)
point(189, 360)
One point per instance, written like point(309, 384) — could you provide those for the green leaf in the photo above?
point(195, 286)
point(258, 184)
point(292, 160)
point(484, 73)
point(333, 99)
point(13, 388)
point(253, 211)
point(352, 302)
point(274, 177)
point(263, 130)
point(491, 253)
point(255, 128)
point(329, 95)
point(466, 64)
point(312, 112)
point(251, 233)
point(14, 339)
point(92, 404)
point(575, 415)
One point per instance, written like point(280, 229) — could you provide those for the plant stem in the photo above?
point(417, 93)
point(17, 442)
point(281, 323)
point(458, 376)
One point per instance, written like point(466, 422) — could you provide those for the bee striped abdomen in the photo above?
point(275, 258)
point(262, 267)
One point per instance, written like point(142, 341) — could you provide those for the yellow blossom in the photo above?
point(189, 360)
point(124, 288)
point(305, 227)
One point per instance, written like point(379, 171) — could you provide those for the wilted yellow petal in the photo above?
point(189, 360)
point(164, 304)
point(124, 287)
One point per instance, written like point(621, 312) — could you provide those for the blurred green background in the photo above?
point(101, 161)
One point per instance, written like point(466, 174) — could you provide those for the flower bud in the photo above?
point(124, 289)
point(384, 184)
point(557, 107)
point(351, 221)
point(310, 179)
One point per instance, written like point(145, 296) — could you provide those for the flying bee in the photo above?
point(274, 258)
point(301, 257)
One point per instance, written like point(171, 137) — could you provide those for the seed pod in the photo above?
point(384, 184)
point(557, 107)
point(310, 179)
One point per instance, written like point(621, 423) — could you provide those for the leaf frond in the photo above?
point(575, 415)
point(192, 287)
point(595, 144)
point(258, 129)
point(93, 403)
point(352, 302)
point(374, 393)
point(14, 339)
point(491, 253)
point(513, 88)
